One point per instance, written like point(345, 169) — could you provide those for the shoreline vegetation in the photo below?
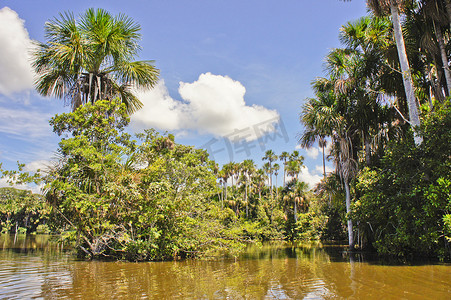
point(145, 197)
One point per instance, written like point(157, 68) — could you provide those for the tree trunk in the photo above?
point(220, 194)
point(295, 211)
point(270, 184)
point(405, 68)
point(434, 89)
point(448, 10)
point(367, 149)
point(245, 199)
point(438, 33)
point(348, 210)
point(284, 174)
point(324, 161)
point(225, 190)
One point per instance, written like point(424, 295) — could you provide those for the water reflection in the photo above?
point(273, 271)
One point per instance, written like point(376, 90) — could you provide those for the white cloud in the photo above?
point(24, 124)
point(319, 169)
point(30, 167)
point(16, 74)
point(41, 164)
point(310, 178)
point(327, 149)
point(213, 104)
point(312, 152)
point(36, 189)
point(159, 110)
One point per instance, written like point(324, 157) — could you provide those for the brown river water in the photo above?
point(34, 267)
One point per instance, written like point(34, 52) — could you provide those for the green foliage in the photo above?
point(137, 200)
point(43, 229)
point(447, 225)
point(309, 226)
point(92, 58)
point(405, 202)
point(21, 210)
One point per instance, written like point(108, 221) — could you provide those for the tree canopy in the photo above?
point(92, 58)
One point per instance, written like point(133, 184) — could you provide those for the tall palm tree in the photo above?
point(432, 11)
point(381, 7)
point(258, 180)
point(248, 169)
point(284, 157)
point(276, 169)
point(92, 59)
point(313, 130)
point(328, 118)
point(225, 174)
point(293, 169)
point(236, 170)
point(300, 190)
point(270, 156)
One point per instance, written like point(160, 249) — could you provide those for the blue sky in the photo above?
point(229, 70)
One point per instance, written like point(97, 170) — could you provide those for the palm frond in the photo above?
point(141, 74)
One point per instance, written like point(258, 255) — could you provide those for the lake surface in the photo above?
point(36, 268)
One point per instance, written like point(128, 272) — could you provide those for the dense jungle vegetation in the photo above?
point(383, 108)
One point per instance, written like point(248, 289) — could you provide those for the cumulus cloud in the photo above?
point(309, 177)
point(159, 110)
point(213, 104)
point(319, 169)
point(327, 149)
point(16, 74)
point(312, 152)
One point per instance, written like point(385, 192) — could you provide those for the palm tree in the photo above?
point(294, 196)
point(434, 13)
point(270, 156)
point(276, 169)
point(293, 169)
point(299, 189)
point(284, 157)
point(296, 157)
point(313, 130)
point(258, 181)
point(225, 174)
point(248, 169)
point(236, 170)
point(329, 120)
point(92, 59)
point(380, 7)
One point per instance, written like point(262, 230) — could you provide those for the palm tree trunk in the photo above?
point(270, 181)
point(405, 68)
point(245, 199)
point(221, 194)
point(438, 33)
point(324, 161)
point(367, 149)
point(448, 10)
point(284, 173)
point(225, 190)
point(295, 211)
point(348, 210)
